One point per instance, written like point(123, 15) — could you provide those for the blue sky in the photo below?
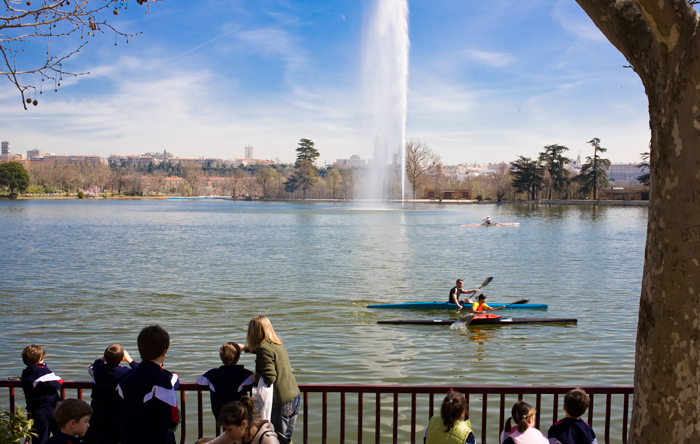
point(488, 81)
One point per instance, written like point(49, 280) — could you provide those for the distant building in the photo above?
point(73, 159)
point(625, 173)
point(5, 148)
point(447, 194)
point(33, 154)
point(249, 152)
point(352, 162)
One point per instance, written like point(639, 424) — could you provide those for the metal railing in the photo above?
point(409, 408)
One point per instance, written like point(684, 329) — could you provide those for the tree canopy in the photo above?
point(527, 176)
point(420, 162)
point(14, 177)
point(305, 173)
point(593, 177)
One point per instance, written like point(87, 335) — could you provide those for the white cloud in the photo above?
point(493, 59)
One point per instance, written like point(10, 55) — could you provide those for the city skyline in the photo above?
point(486, 84)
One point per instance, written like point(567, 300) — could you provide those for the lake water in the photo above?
point(76, 276)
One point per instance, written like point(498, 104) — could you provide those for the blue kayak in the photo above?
point(451, 306)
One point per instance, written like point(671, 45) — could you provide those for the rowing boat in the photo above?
point(451, 306)
point(501, 224)
point(497, 321)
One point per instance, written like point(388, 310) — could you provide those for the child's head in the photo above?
point(576, 403)
point(522, 414)
point(453, 408)
point(236, 416)
point(33, 354)
point(153, 342)
point(114, 354)
point(230, 353)
point(73, 416)
point(259, 331)
point(481, 298)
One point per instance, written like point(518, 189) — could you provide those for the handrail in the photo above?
point(398, 421)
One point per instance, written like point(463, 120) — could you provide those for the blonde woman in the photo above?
point(272, 364)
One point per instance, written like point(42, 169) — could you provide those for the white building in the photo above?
point(625, 173)
point(249, 152)
point(352, 162)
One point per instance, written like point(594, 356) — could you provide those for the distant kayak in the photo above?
point(451, 306)
point(502, 224)
point(499, 321)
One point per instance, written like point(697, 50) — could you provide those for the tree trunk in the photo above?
point(659, 39)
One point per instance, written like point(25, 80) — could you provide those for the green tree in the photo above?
point(593, 177)
point(660, 40)
point(305, 173)
point(333, 179)
point(266, 178)
point(14, 177)
point(527, 176)
point(644, 178)
point(554, 163)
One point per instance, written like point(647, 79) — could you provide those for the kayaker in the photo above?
point(457, 291)
point(480, 305)
point(487, 221)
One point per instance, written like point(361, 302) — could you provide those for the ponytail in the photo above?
point(521, 414)
point(234, 413)
point(453, 407)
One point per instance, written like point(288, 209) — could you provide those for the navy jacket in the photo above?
point(223, 382)
point(149, 409)
point(572, 431)
point(106, 403)
point(41, 387)
point(63, 438)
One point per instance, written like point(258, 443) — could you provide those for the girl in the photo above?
point(272, 364)
point(523, 432)
point(241, 428)
point(453, 425)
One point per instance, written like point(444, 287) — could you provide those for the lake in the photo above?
point(76, 276)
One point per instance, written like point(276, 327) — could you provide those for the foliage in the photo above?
point(333, 179)
point(527, 176)
point(420, 161)
point(81, 195)
point(266, 177)
point(305, 173)
point(645, 178)
point(502, 181)
point(592, 177)
point(15, 426)
point(554, 163)
point(14, 177)
point(24, 21)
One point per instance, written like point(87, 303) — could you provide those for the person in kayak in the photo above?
point(457, 291)
point(487, 221)
point(481, 306)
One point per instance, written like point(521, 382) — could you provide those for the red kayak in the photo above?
point(504, 224)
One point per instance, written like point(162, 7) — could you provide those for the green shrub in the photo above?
point(34, 189)
point(15, 427)
point(81, 195)
point(479, 197)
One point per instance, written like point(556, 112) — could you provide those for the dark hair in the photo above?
point(234, 413)
point(32, 354)
point(520, 413)
point(458, 281)
point(453, 407)
point(230, 353)
point(576, 402)
point(71, 409)
point(482, 296)
point(153, 341)
point(114, 354)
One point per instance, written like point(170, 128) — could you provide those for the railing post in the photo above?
point(484, 415)
point(396, 419)
point(378, 412)
point(200, 415)
point(359, 417)
point(183, 415)
point(590, 410)
point(413, 418)
point(324, 417)
point(342, 418)
point(306, 417)
point(608, 401)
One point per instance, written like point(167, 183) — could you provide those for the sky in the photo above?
point(487, 82)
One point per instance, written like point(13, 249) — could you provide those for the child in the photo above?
point(228, 382)
point(73, 417)
point(149, 410)
point(453, 424)
point(106, 374)
point(572, 429)
point(41, 387)
point(240, 426)
point(523, 432)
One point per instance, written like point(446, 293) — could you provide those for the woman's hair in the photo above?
point(453, 407)
point(234, 413)
point(520, 414)
point(259, 331)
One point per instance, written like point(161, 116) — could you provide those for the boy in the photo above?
point(572, 429)
point(73, 417)
point(106, 374)
point(149, 408)
point(228, 382)
point(41, 387)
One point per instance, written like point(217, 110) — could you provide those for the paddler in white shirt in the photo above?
point(457, 291)
point(487, 221)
